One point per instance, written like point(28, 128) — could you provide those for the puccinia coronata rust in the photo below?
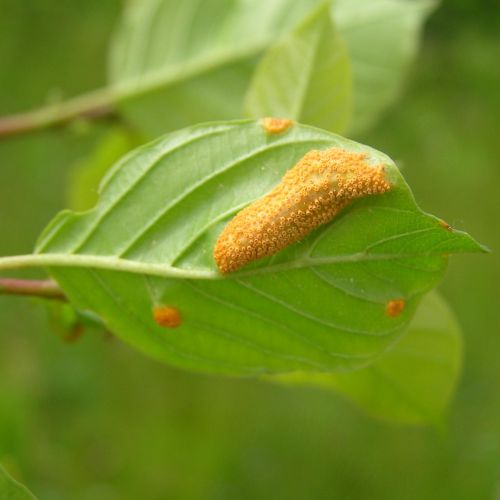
point(310, 194)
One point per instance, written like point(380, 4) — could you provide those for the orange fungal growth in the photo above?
point(445, 225)
point(310, 194)
point(276, 125)
point(395, 307)
point(167, 316)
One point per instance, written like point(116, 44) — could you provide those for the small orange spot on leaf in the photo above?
point(167, 316)
point(276, 125)
point(445, 225)
point(395, 307)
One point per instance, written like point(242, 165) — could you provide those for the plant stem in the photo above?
point(46, 289)
point(96, 104)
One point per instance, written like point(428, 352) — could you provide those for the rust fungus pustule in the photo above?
point(310, 194)
point(276, 125)
point(395, 307)
point(167, 316)
point(445, 225)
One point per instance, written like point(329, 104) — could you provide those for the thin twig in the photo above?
point(96, 104)
point(47, 289)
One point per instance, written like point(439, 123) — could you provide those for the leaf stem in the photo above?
point(96, 104)
point(102, 102)
point(46, 289)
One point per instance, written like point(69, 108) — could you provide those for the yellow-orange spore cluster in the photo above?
point(310, 194)
point(276, 125)
point(395, 307)
point(167, 316)
point(445, 225)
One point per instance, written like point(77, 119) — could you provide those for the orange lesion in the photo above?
point(445, 225)
point(167, 316)
point(312, 193)
point(395, 307)
point(276, 125)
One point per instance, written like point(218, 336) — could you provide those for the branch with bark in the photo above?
point(93, 105)
point(46, 289)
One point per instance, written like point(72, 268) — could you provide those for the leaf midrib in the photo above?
point(140, 85)
point(165, 271)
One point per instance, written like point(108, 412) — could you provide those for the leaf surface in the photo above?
point(319, 305)
point(413, 382)
point(87, 174)
point(305, 76)
point(175, 63)
point(383, 38)
point(10, 489)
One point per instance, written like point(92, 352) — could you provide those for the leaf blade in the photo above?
point(10, 489)
point(173, 64)
point(413, 382)
point(291, 77)
point(383, 39)
point(317, 305)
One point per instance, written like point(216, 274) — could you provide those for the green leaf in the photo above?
point(305, 76)
point(86, 175)
point(318, 305)
point(383, 38)
point(413, 382)
point(175, 63)
point(10, 489)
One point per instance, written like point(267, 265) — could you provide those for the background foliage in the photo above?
point(96, 420)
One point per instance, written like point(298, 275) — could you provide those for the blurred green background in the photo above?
point(96, 420)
